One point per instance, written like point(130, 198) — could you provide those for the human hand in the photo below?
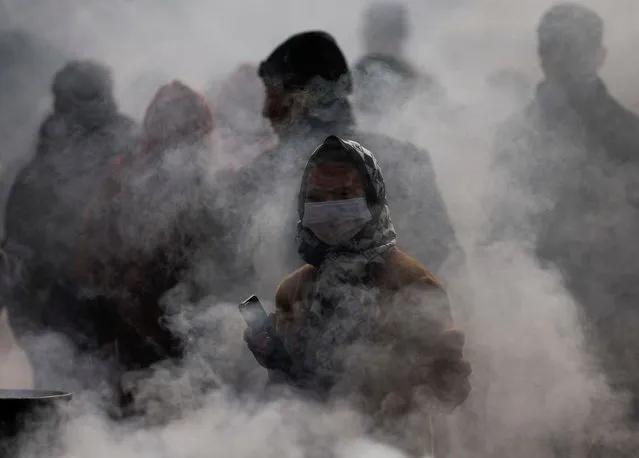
point(260, 340)
point(450, 371)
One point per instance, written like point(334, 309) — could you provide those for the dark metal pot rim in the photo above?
point(32, 394)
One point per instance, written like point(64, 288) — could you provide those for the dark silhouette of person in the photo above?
point(307, 83)
point(139, 230)
point(27, 65)
point(568, 166)
point(384, 78)
point(44, 214)
point(148, 227)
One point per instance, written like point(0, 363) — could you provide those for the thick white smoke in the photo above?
point(534, 381)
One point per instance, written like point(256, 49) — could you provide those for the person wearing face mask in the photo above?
point(362, 321)
point(307, 84)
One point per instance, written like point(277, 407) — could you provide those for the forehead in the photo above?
point(334, 174)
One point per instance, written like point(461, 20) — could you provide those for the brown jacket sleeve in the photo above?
point(425, 333)
point(419, 300)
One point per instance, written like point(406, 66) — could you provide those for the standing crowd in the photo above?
point(213, 196)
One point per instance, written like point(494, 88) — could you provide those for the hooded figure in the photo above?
point(384, 79)
point(307, 83)
point(569, 163)
point(84, 107)
point(27, 65)
point(76, 145)
point(362, 320)
point(142, 231)
point(44, 210)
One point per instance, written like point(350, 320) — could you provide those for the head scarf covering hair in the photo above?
point(378, 235)
point(344, 295)
point(176, 114)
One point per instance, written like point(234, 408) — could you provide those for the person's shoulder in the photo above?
point(385, 62)
point(52, 125)
point(622, 114)
point(121, 125)
point(290, 288)
point(403, 270)
point(366, 63)
point(381, 145)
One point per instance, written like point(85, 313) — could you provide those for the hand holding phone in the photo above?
point(261, 338)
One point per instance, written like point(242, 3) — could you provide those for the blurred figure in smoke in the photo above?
point(242, 132)
point(307, 84)
point(27, 64)
point(571, 165)
point(384, 78)
point(152, 218)
point(84, 107)
point(77, 141)
point(362, 318)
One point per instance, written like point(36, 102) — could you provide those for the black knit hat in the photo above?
point(305, 56)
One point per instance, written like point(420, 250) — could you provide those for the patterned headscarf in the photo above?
point(344, 297)
point(378, 235)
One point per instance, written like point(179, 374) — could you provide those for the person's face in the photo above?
point(278, 106)
point(581, 66)
point(334, 181)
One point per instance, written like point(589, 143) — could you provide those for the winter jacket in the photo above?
point(366, 322)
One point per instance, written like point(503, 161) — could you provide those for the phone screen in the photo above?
point(253, 313)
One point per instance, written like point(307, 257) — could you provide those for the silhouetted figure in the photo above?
point(570, 164)
point(307, 83)
point(152, 231)
point(141, 229)
point(45, 209)
point(27, 65)
point(384, 78)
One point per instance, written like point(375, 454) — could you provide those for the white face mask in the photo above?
point(335, 222)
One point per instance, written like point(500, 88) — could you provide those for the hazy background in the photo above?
point(533, 380)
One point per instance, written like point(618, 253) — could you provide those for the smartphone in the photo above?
point(253, 313)
point(255, 317)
